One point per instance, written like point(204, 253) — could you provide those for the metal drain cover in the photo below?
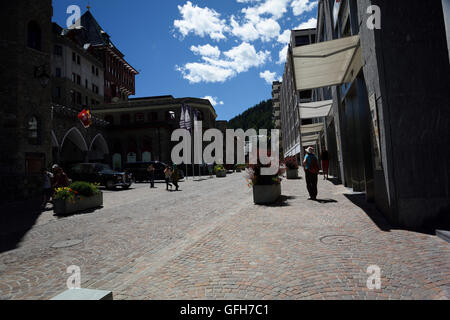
point(340, 240)
point(66, 244)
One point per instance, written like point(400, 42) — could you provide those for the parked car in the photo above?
point(140, 173)
point(100, 173)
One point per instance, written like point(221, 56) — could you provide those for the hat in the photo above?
point(310, 150)
point(55, 166)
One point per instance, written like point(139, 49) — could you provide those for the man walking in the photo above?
point(311, 166)
point(151, 171)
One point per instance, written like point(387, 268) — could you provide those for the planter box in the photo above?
point(292, 173)
point(67, 207)
point(266, 194)
point(221, 174)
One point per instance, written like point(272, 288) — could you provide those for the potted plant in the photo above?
point(266, 188)
point(220, 171)
point(291, 167)
point(79, 196)
point(240, 167)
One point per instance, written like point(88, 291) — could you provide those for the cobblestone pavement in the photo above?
point(210, 242)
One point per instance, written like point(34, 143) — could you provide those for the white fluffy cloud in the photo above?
point(268, 76)
point(206, 50)
point(201, 21)
point(301, 6)
point(311, 23)
point(285, 37)
point(214, 100)
point(215, 69)
point(283, 55)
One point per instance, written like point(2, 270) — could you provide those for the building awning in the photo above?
point(314, 137)
point(327, 63)
point(312, 128)
point(315, 109)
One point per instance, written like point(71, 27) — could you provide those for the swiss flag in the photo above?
point(85, 118)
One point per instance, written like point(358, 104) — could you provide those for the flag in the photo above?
point(187, 118)
point(183, 117)
point(85, 118)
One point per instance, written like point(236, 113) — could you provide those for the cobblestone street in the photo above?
point(210, 242)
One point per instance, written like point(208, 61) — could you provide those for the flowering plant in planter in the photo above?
point(255, 177)
point(65, 194)
point(78, 197)
point(85, 189)
point(219, 168)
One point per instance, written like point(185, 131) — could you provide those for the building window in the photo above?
point(33, 128)
point(34, 36)
point(74, 78)
point(86, 83)
point(139, 117)
point(58, 92)
point(301, 40)
point(78, 59)
point(57, 50)
point(72, 96)
point(125, 119)
point(74, 57)
point(93, 70)
point(78, 98)
point(58, 72)
point(96, 72)
point(153, 116)
point(79, 80)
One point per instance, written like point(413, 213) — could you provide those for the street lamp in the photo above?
point(41, 74)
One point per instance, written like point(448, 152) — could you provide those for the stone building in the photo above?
point(289, 98)
point(25, 97)
point(119, 75)
point(389, 123)
point(77, 75)
point(276, 104)
point(141, 129)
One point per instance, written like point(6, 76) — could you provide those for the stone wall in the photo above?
point(22, 96)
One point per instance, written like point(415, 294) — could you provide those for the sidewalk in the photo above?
point(210, 241)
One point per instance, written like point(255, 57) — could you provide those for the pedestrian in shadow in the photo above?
point(151, 171)
point(325, 158)
point(47, 187)
point(175, 176)
point(167, 176)
point(311, 166)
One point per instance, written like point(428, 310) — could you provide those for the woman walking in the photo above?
point(325, 158)
point(167, 175)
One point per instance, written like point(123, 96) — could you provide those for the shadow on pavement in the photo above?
point(442, 222)
point(16, 219)
point(281, 202)
point(326, 200)
point(62, 216)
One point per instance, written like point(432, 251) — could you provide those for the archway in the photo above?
point(98, 149)
point(73, 147)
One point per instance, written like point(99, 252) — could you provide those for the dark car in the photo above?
point(100, 173)
point(140, 173)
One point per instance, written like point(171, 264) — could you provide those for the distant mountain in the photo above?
point(257, 117)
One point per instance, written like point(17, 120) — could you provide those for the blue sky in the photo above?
point(229, 50)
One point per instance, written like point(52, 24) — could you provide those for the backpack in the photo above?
point(314, 166)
